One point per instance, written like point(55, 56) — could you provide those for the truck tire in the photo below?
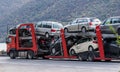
point(79, 57)
point(30, 55)
point(12, 54)
point(90, 56)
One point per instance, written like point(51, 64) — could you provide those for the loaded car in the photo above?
point(83, 45)
point(111, 26)
point(82, 25)
point(56, 46)
point(112, 48)
point(48, 28)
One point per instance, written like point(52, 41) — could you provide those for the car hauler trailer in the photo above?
point(28, 45)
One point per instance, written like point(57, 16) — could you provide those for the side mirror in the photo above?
point(8, 40)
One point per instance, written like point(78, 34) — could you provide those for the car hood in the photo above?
point(66, 25)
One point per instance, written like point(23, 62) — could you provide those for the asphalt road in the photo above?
point(38, 65)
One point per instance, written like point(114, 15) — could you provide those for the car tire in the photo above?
point(65, 30)
point(47, 35)
point(83, 30)
point(12, 54)
point(30, 55)
point(53, 51)
point(72, 52)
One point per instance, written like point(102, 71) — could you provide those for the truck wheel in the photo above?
point(90, 56)
point(30, 55)
point(12, 54)
point(79, 57)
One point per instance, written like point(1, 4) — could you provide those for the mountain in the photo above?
point(56, 10)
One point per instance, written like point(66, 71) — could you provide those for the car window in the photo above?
point(82, 20)
point(12, 31)
point(108, 21)
point(39, 25)
point(82, 40)
point(49, 25)
point(45, 25)
point(115, 20)
point(55, 26)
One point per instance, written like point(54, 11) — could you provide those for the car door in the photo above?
point(82, 45)
point(105, 27)
point(73, 27)
point(82, 23)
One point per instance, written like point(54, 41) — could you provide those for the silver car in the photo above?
point(48, 28)
point(111, 26)
point(82, 25)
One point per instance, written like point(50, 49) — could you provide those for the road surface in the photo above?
point(38, 65)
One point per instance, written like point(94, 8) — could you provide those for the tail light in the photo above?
point(90, 23)
point(95, 41)
point(52, 30)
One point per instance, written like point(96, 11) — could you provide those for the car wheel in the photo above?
point(47, 35)
point(66, 30)
point(72, 52)
point(30, 55)
point(53, 51)
point(12, 54)
point(83, 30)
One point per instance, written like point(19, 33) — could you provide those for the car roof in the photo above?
point(49, 22)
point(86, 18)
point(115, 17)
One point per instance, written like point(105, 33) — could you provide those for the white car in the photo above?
point(48, 28)
point(83, 45)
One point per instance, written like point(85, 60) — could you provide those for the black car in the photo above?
point(56, 47)
point(112, 48)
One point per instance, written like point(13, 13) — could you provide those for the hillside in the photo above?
point(58, 10)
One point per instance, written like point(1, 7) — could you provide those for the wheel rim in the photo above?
point(29, 56)
point(83, 30)
point(53, 50)
point(72, 52)
point(11, 54)
point(90, 48)
point(47, 35)
point(90, 58)
point(66, 30)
